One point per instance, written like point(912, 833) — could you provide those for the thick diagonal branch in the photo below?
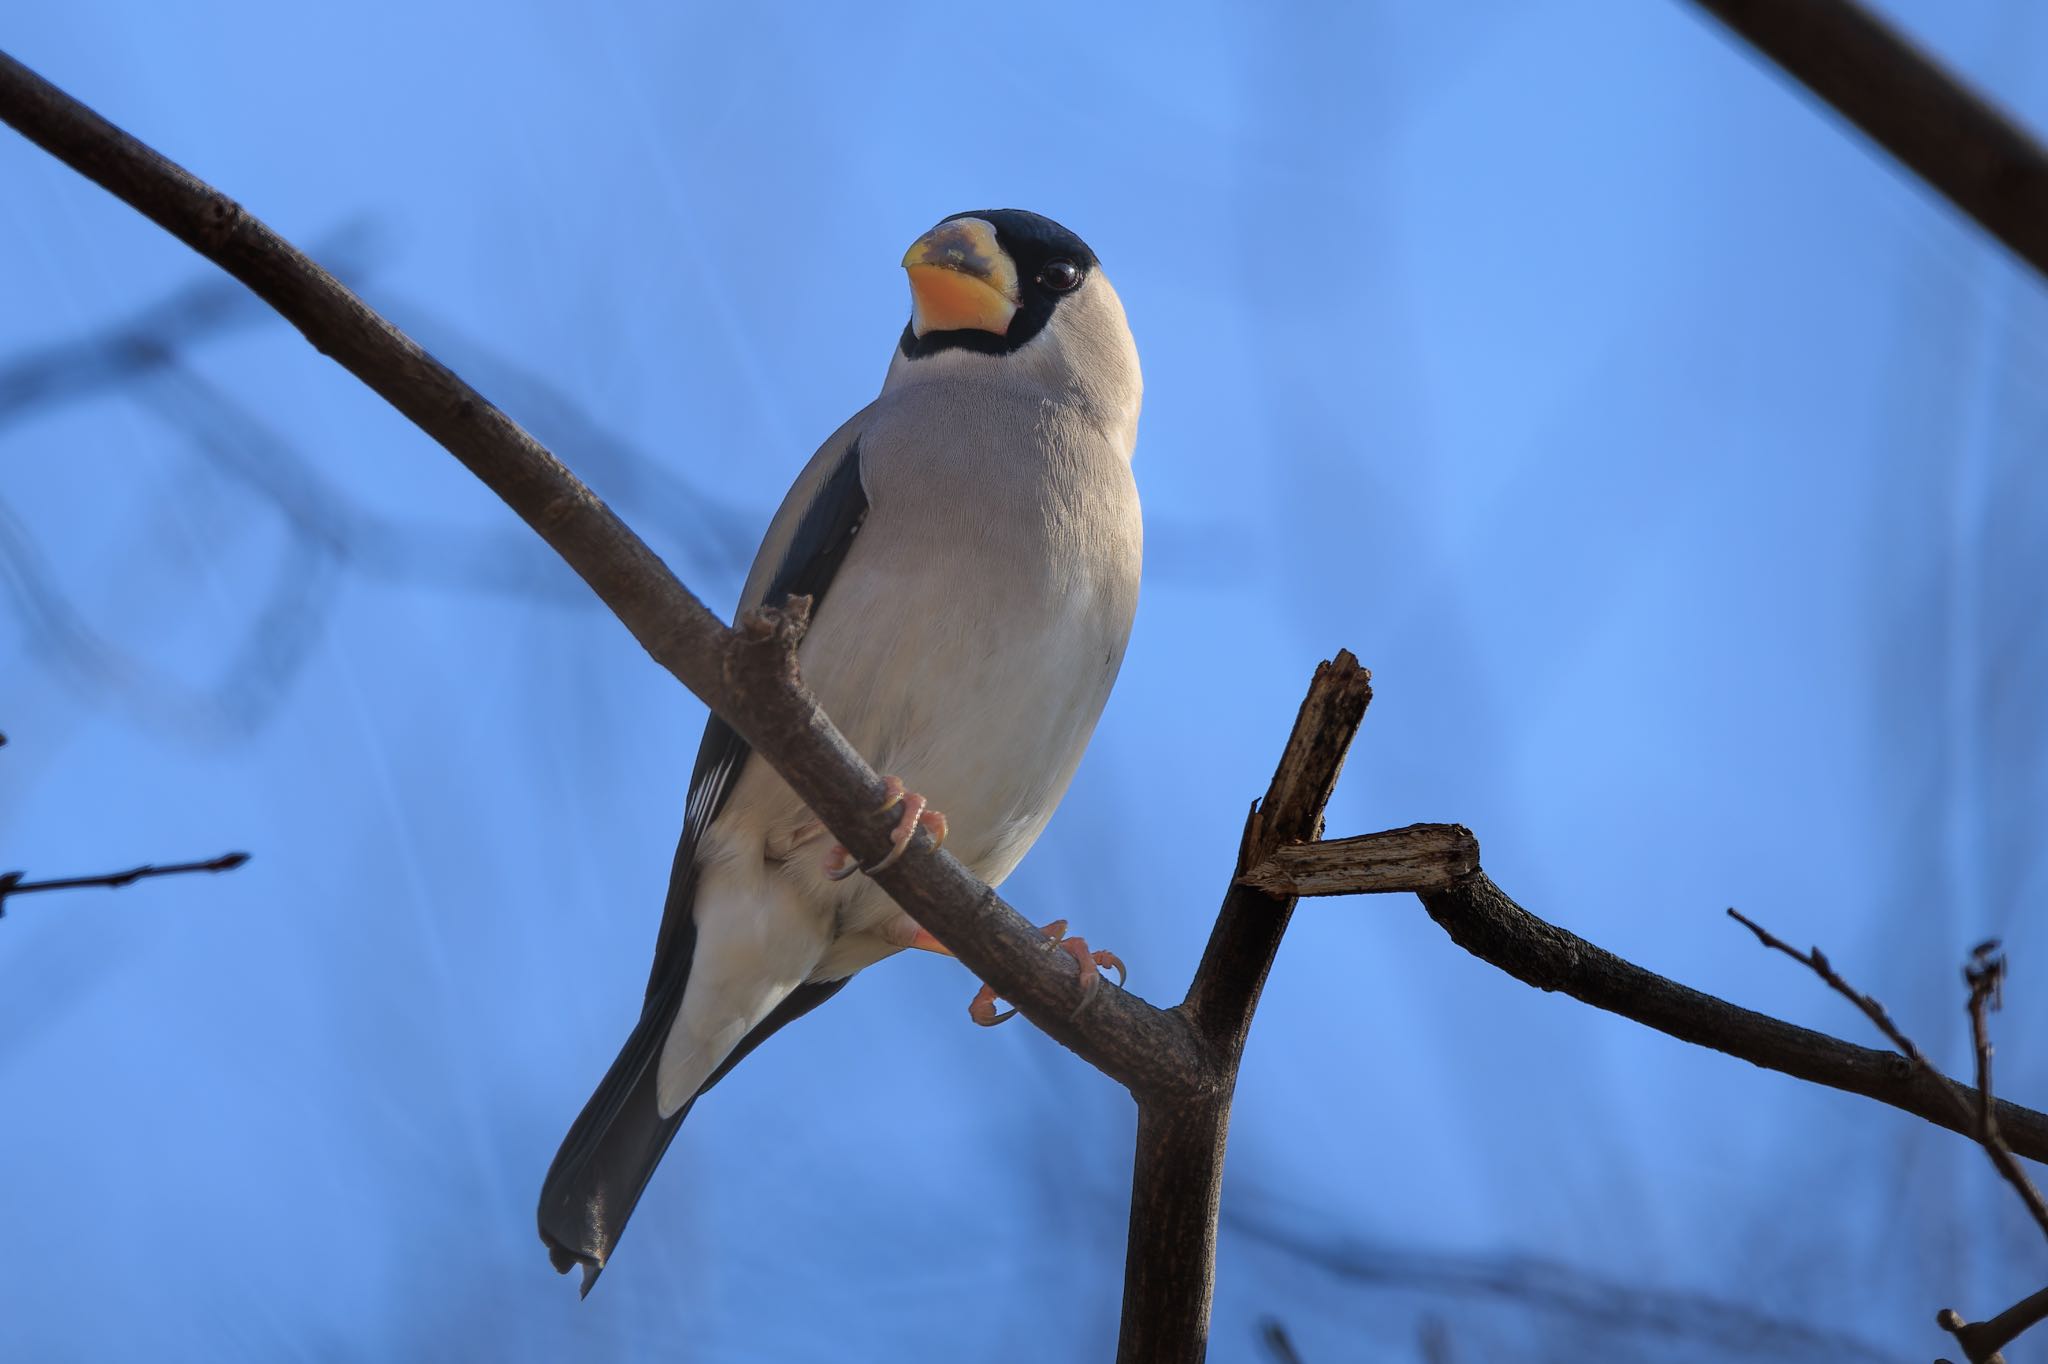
point(750, 679)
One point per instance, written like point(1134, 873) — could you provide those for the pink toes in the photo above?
point(917, 813)
point(982, 1009)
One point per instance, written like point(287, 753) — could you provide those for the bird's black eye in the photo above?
point(1060, 275)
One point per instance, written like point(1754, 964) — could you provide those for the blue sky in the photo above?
point(1671, 458)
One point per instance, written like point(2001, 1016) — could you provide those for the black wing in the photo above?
point(619, 1138)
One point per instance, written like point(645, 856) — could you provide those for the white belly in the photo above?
point(981, 699)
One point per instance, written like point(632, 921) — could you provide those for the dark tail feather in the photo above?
point(619, 1138)
point(606, 1159)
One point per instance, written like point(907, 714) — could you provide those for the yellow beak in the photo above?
point(960, 278)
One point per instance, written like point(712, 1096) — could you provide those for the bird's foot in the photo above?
point(982, 1009)
point(917, 812)
point(905, 932)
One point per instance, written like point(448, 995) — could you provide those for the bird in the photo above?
point(971, 543)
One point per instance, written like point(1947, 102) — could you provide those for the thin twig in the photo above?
point(1985, 975)
point(1980, 1121)
point(1819, 965)
point(11, 883)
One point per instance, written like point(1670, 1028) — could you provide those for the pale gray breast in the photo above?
point(972, 636)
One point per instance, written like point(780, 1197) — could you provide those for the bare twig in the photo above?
point(1950, 136)
point(11, 883)
point(1985, 975)
point(1979, 1120)
point(1483, 920)
point(1873, 1010)
point(1983, 1341)
point(1418, 858)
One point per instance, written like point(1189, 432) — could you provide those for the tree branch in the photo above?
point(1982, 1341)
point(1148, 1050)
point(1954, 139)
point(1418, 858)
point(1249, 926)
point(1980, 1119)
point(1985, 975)
point(749, 677)
point(12, 884)
point(1177, 1180)
point(1481, 919)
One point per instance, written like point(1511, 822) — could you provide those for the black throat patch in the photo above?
point(1033, 242)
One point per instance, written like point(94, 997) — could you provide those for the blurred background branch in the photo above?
point(148, 358)
point(1940, 129)
point(1611, 1318)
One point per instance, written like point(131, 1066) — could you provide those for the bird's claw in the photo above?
point(839, 863)
point(917, 813)
point(982, 1008)
point(1091, 961)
